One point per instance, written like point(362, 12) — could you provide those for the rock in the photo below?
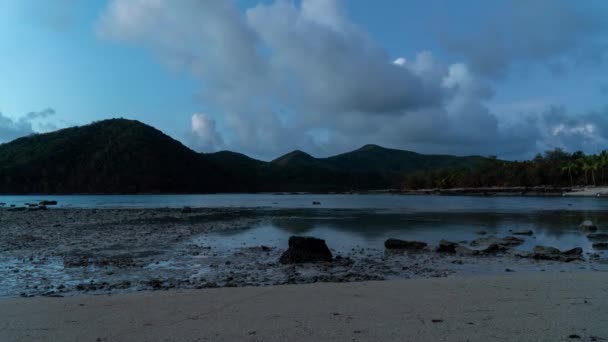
point(404, 245)
point(186, 210)
point(509, 270)
point(588, 226)
point(462, 250)
point(305, 249)
point(507, 241)
point(481, 232)
point(316, 203)
point(47, 202)
point(446, 246)
point(495, 248)
point(600, 245)
point(522, 232)
point(552, 253)
point(598, 237)
point(577, 251)
point(545, 250)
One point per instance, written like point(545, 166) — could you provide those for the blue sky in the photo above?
point(264, 77)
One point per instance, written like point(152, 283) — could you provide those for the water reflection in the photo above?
point(558, 229)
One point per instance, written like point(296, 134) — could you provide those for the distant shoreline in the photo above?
point(534, 191)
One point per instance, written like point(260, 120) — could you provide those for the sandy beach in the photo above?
point(591, 191)
point(532, 307)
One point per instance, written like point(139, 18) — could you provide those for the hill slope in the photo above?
point(126, 156)
point(110, 156)
point(381, 159)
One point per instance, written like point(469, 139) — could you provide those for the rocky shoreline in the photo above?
point(61, 252)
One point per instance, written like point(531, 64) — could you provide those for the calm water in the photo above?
point(342, 233)
point(387, 202)
point(374, 218)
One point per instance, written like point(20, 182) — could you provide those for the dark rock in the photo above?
point(404, 245)
point(552, 253)
point(46, 202)
point(305, 249)
point(495, 248)
point(507, 241)
point(509, 270)
point(186, 210)
point(446, 246)
point(316, 203)
point(522, 232)
point(574, 251)
point(600, 245)
point(588, 226)
point(481, 232)
point(598, 237)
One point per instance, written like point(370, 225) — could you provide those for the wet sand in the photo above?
point(515, 307)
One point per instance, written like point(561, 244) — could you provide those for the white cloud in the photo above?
point(11, 129)
point(282, 71)
point(205, 134)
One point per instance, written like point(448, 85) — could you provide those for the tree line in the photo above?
point(553, 168)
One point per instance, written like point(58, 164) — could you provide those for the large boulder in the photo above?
point(598, 237)
point(446, 246)
point(303, 249)
point(587, 226)
point(404, 244)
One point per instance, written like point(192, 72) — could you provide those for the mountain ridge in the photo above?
point(128, 156)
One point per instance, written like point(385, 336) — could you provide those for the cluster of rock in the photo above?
point(600, 240)
point(493, 245)
point(42, 205)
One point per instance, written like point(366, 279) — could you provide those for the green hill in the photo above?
point(110, 156)
point(377, 158)
point(126, 156)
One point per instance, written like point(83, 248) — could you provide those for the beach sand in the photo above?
point(513, 307)
point(591, 191)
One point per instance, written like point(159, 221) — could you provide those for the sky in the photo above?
point(265, 77)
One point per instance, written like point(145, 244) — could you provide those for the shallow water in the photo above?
point(354, 226)
point(398, 203)
point(558, 229)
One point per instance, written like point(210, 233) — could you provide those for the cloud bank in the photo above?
point(11, 129)
point(285, 75)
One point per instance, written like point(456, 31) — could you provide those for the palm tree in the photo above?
point(585, 166)
point(603, 162)
point(590, 163)
point(569, 167)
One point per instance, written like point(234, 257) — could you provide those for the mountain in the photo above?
point(374, 158)
point(127, 156)
point(110, 156)
point(377, 158)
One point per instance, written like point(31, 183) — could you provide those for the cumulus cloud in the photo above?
point(11, 129)
point(580, 131)
point(205, 134)
point(283, 75)
point(554, 34)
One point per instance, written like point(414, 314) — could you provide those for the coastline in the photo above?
point(531, 307)
point(525, 191)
